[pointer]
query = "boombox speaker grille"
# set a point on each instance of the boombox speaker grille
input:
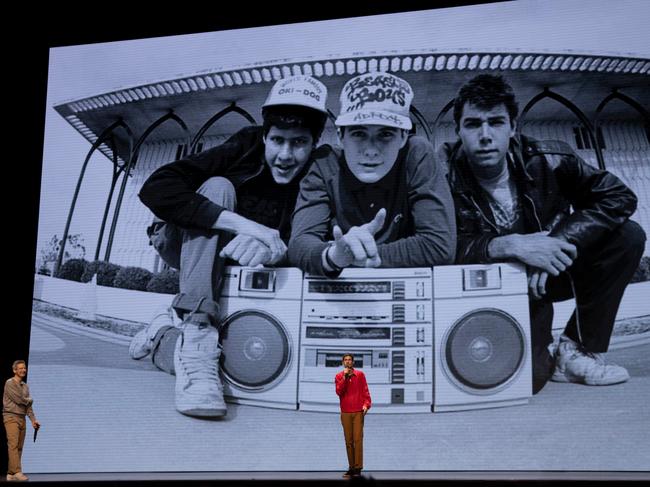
(256, 349)
(484, 349)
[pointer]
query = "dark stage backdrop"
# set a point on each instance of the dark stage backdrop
(155, 436)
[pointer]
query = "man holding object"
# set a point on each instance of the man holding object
(352, 389)
(16, 404)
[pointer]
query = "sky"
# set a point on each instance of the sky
(587, 27)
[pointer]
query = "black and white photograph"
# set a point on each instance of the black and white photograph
(405, 245)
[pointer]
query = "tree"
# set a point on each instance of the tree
(74, 249)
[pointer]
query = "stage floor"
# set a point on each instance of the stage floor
(380, 477)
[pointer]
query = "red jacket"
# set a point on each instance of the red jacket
(353, 392)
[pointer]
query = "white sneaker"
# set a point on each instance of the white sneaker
(142, 343)
(199, 391)
(574, 364)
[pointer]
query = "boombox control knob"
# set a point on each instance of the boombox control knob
(254, 348)
(480, 349)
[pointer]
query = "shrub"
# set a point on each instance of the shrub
(72, 269)
(74, 249)
(165, 282)
(44, 270)
(105, 271)
(642, 272)
(132, 278)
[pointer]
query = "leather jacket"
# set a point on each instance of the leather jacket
(559, 193)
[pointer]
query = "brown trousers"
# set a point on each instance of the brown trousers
(353, 431)
(15, 427)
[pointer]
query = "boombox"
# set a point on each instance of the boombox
(260, 333)
(385, 319)
(442, 339)
(482, 337)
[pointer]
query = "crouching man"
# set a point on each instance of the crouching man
(232, 201)
(538, 203)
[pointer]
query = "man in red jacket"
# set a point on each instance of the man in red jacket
(352, 389)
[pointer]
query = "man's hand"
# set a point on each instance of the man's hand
(537, 283)
(239, 225)
(357, 247)
(269, 237)
(365, 410)
(36, 424)
(549, 254)
(247, 250)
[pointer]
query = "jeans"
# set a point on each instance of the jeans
(195, 252)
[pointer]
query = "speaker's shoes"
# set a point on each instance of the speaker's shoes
(199, 391)
(19, 476)
(574, 364)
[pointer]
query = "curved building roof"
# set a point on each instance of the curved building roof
(578, 58)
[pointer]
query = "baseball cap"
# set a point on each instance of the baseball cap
(376, 99)
(300, 90)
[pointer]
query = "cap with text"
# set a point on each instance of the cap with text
(300, 90)
(376, 99)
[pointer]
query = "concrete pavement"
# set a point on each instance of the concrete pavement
(103, 412)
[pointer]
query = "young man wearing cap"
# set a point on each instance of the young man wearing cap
(537, 203)
(232, 201)
(381, 201)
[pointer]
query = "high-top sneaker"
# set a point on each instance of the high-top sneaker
(144, 341)
(574, 364)
(199, 391)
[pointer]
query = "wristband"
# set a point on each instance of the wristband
(329, 260)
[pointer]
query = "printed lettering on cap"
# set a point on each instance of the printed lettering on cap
(365, 117)
(383, 89)
(377, 99)
(298, 90)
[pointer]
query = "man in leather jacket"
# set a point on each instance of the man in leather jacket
(537, 203)
(233, 201)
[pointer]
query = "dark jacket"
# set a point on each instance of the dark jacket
(419, 229)
(170, 192)
(559, 193)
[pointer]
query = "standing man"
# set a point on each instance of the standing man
(232, 201)
(352, 389)
(16, 404)
(536, 202)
